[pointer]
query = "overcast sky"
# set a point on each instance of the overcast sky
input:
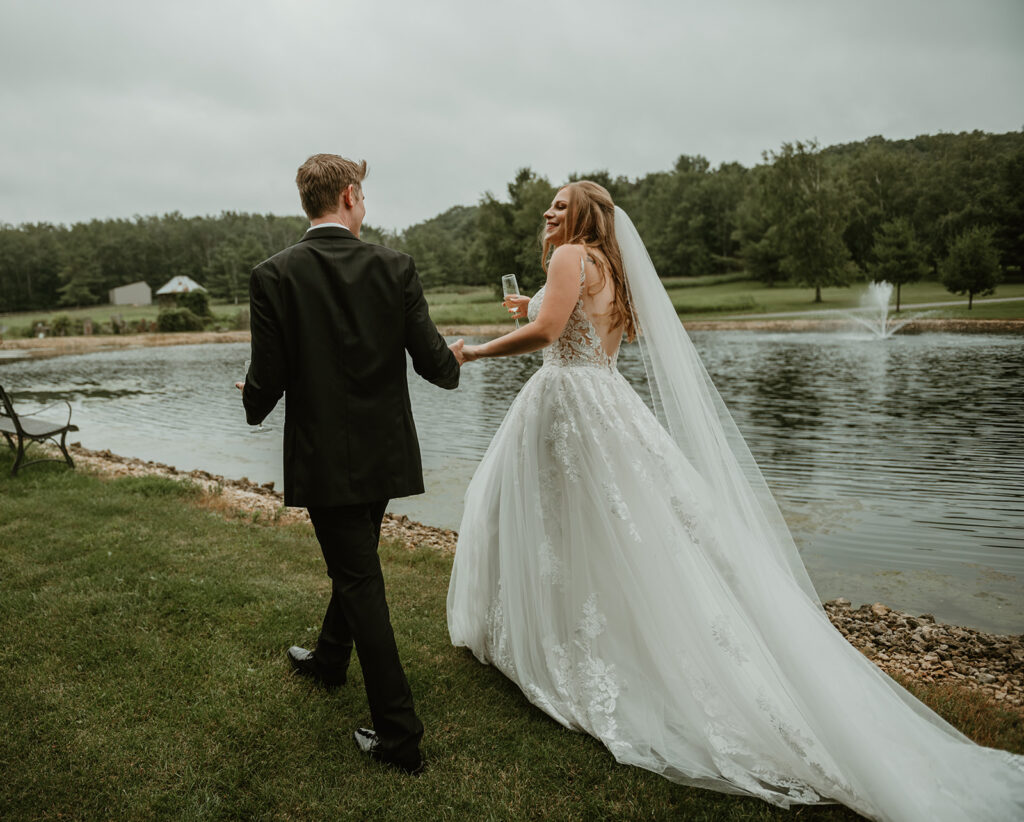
(112, 109)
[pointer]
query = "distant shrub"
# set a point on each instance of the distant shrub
(178, 319)
(197, 302)
(64, 325)
(241, 321)
(67, 326)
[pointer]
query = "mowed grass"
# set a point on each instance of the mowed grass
(704, 298)
(721, 296)
(142, 676)
(752, 297)
(466, 306)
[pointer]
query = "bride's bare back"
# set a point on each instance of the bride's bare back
(598, 297)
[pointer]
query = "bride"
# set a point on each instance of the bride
(637, 581)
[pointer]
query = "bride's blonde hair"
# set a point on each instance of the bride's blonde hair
(590, 221)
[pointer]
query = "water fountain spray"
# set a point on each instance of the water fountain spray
(876, 305)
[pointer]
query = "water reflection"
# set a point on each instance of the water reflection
(886, 457)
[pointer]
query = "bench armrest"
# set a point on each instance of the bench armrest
(47, 408)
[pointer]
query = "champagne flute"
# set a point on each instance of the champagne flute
(509, 285)
(245, 376)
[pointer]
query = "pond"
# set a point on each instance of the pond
(898, 463)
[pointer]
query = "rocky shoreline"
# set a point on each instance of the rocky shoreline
(920, 648)
(901, 644)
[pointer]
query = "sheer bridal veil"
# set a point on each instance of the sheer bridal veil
(689, 406)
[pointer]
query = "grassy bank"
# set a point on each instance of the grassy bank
(143, 676)
(750, 297)
(709, 298)
(700, 298)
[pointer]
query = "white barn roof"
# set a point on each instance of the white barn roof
(179, 285)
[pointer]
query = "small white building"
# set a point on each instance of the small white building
(179, 285)
(132, 294)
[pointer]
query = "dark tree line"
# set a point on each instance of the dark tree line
(814, 217)
(45, 266)
(892, 209)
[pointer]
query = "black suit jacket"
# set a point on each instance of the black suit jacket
(332, 318)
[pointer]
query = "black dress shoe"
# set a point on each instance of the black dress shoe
(305, 663)
(369, 743)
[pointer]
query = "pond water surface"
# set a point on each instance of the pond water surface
(899, 464)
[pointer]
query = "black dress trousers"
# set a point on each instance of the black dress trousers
(358, 614)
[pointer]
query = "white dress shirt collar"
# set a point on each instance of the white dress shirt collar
(330, 225)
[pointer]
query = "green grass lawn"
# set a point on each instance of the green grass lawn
(695, 298)
(724, 295)
(142, 674)
(472, 306)
(752, 297)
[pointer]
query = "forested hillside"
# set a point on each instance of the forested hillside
(809, 216)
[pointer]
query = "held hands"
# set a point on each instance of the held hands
(517, 306)
(464, 353)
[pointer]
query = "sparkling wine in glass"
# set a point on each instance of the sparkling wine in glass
(245, 376)
(509, 285)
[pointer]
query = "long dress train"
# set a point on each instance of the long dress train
(591, 570)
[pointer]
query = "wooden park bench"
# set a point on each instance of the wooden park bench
(27, 428)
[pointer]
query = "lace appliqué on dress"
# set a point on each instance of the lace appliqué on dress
(557, 439)
(497, 636)
(551, 568)
(584, 680)
(727, 640)
(619, 509)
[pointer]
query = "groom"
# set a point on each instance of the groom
(332, 318)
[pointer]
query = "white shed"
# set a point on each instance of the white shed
(179, 285)
(132, 294)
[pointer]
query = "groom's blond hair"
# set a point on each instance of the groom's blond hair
(322, 178)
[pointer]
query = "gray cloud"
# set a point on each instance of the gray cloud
(117, 108)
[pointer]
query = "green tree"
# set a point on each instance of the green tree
(509, 234)
(898, 255)
(880, 180)
(443, 247)
(80, 272)
(1010, 231)
(972, 266)
(227, 273)
(496, 246)
(809, 207)
(756, 234)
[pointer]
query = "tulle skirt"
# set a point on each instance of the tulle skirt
(596, 570)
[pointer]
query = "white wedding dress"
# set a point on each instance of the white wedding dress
(629, 598)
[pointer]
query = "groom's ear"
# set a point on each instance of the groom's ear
(348, 196)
